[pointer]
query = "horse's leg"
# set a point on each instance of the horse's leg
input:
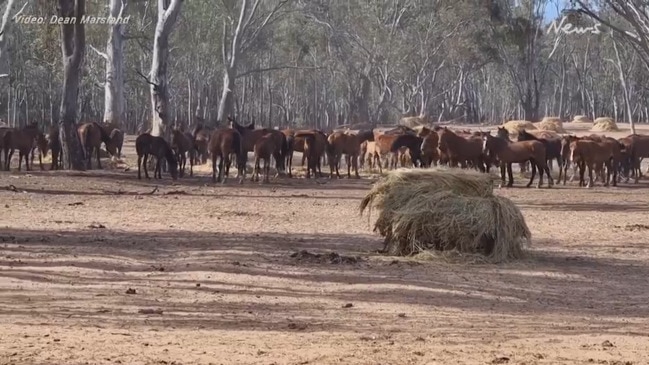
(20, 159)
(608, 173)
(27, 162)
(40, 160)
(139, 163)
(510, 175)
(533, 168)
(214, 168)
(146, 162)
(503, 167)
(98, 159)
(267, 170)
(615, 166)
(550, 179)
(590, 175)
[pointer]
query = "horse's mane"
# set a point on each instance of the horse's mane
(105, 137)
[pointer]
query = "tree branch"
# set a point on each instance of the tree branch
(274, 68)
(101, 54)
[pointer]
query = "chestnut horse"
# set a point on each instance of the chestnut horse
(250, 136)
(117, 141)
(318, 149)
(509, 152)
(462, 150)
(145, 145)
(55, 146)
(341, 143)
(264, 149)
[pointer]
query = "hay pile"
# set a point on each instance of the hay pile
(514, 126)
(446, 210)
(604, 124)
(581, 119)
(553, 124)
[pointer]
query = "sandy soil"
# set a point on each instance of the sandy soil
(97, 269)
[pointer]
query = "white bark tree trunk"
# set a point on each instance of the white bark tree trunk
(168, 11)
(114, 56)
(73, 44)
(4, 28)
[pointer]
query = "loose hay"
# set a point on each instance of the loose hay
(514, 126)
(581, 119)
(604, 124)
(446, 210)
(553, 124)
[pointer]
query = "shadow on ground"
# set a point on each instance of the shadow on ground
(545, 283)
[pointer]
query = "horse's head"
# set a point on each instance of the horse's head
(502, 132)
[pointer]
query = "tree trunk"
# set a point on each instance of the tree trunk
(226, 104)
(167, 15)
(114, 83)
(73, 44)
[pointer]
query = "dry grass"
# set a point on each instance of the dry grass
(514, 126)
(553, 124)
(446, 210)
(604, 124)
(413, 122)
(581, 119)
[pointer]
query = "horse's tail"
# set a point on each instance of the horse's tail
(237, 147)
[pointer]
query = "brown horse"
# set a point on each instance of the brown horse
(5, 145)
(182, 144)
(509, 152)
(117, 141)
(42, 145)
(317, 150)
(462, 150)
(312, 153)
(55, 147)
(637, 148)
(145, 145)
(384, 141)
(341, 143)
(250, 136)
(201, 137)
(586, 153)
(264, 149)
(372, 156)
(223, 143)
(429, 151)
(23, 140)
(91, 136)
(552, 145)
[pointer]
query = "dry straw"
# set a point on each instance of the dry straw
(446, 210)
(553, 124)
(581, 119)
(514, 126)
(604, 124)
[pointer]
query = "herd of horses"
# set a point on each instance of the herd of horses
(606, 159)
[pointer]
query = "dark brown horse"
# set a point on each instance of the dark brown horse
(201, 137)
(182, 144)
(42, 145)
(23, 140)
(552, 145)
(91, 136)
(55, 146)
(223, 143)
(509, 152)
(147, 145)
(117, 141)
(5, 146)
(413, 144)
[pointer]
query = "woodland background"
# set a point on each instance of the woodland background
(324, 63)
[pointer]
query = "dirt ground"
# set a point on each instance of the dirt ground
(100, 268)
